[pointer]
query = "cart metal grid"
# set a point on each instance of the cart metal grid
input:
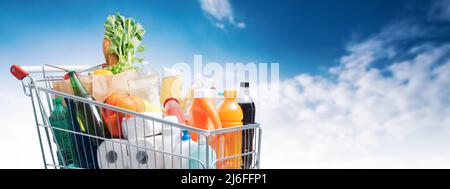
(162, 150)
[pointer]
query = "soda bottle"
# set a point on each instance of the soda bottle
(247, 105)
(231, 116)
(67, 152)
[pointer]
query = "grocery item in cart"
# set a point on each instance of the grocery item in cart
(113, 154)
(134, 128)
(102, 72)
(203, 114)
(105, 85)
(146, 87)
(231, 116)
(66, 87)
(172, 85)
(192, 153)
(123, 37)
(113, 119)
(200, 82)
(100, 86)
(170, 139)
(86, 152)
(67, 151)
(89, 114)
(172, 107)
(164, 136)
(144, 155)
(247, 105)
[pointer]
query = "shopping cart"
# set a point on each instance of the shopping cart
(160, 145)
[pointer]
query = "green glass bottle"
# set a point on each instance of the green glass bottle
(88, 114)
(64, 140)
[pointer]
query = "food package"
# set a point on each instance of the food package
(172, 85)
(146, 87)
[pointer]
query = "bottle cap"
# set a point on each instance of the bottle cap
(169, 99)
(57, 100)
(229, 93)
(245, 84)
(202, 93)
(186, 135)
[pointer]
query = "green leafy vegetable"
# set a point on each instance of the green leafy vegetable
(126, 37)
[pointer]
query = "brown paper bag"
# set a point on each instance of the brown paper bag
(100, 86)
(65, 86)
(104, 85)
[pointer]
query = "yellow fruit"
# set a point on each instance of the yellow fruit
(102, 72)
(149, 107)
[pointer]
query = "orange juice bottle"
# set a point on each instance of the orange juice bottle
(203, 115)
(231, 116)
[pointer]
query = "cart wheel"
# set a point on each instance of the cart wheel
(18, 72)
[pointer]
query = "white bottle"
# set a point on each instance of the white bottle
(183, 150)
(192, 153)
(202, 152)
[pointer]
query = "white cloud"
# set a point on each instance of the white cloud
(365, 116)
(221, 13)
(440, 10)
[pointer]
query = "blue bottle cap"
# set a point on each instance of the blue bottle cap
(186, 135)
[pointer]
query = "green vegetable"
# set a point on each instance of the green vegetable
(126, 37)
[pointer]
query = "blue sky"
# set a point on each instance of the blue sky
(303, 36)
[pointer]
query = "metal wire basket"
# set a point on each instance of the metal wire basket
(146, 142)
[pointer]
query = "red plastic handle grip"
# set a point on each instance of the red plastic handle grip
(18, 72)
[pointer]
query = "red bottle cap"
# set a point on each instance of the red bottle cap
(168, 99)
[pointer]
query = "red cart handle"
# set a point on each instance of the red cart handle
(18, 72)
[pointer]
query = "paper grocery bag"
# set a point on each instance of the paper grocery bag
(100, 86)
(104, 85)
(65, 86)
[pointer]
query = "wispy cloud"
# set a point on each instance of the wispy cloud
(220, 12)
(363, 115)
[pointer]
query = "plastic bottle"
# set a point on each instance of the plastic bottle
(67, 152)
(172, 107)
(247, 105)
(195, 151)
(203, 114)
(231, 116)
(202, 151)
